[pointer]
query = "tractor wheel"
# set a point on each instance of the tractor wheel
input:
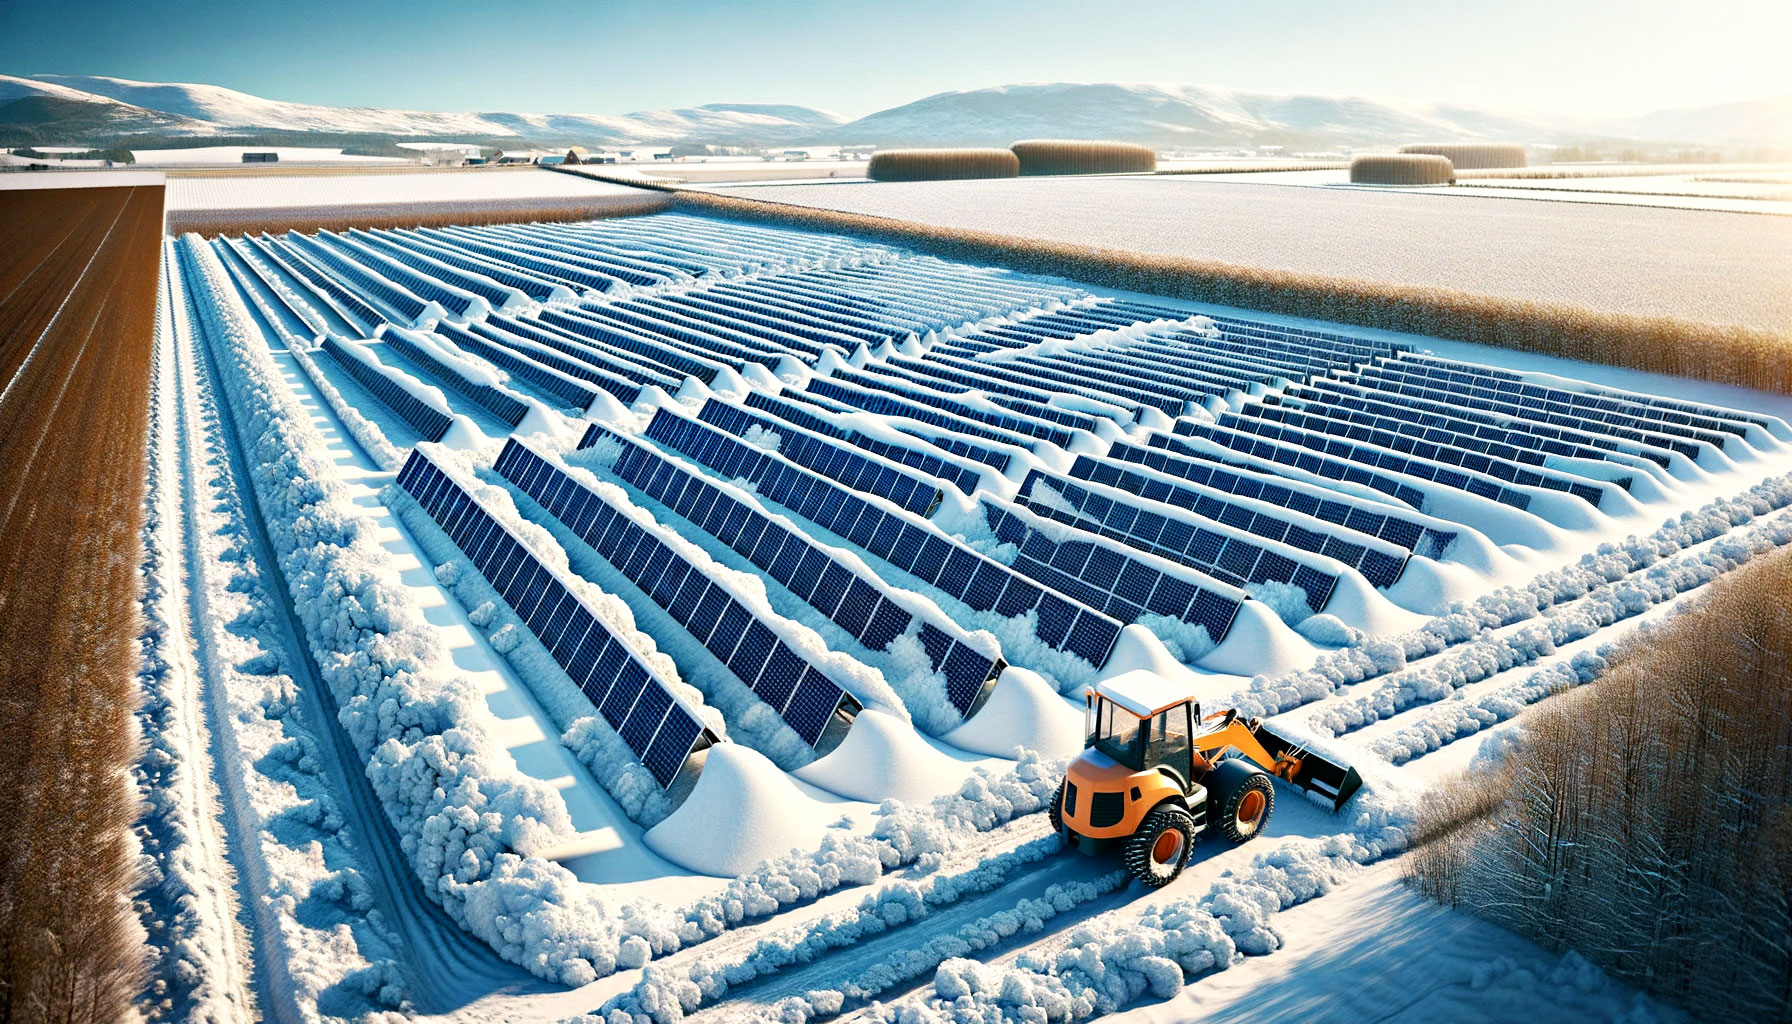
(1055, 811)
(1240, 799)
(1157, 851)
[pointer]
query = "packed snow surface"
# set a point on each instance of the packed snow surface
(280, 191)
(743, 810)
(1704, 265)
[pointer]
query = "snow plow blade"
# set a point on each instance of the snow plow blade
(1313, 773)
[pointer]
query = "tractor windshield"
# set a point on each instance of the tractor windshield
(1117, 733)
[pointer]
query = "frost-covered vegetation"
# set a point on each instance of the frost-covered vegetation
(1645, 821)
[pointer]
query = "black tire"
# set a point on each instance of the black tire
(1055, 811)
(1240, 799)
(1156, 853)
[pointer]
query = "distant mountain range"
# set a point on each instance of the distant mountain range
(1191, 116)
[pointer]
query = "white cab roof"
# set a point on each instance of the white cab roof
(1142, 692)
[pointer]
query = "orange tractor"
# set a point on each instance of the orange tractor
(1156, 775)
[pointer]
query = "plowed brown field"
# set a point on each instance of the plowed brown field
(77, 320)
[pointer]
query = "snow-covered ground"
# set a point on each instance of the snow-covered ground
(301, 190)
(1691, 264)
(486, 836)
(232, 156)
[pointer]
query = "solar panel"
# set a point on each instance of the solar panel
(429, 423)
(834, 508)
(831, 586)
(628, 693)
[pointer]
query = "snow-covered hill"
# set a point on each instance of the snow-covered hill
(216, 110)
(1162, 114)
(1171, 114)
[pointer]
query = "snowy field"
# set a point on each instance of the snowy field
(232, 156)
(277, 191)
(1693, 264)
(661, 617)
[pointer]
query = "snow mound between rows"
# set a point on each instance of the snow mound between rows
(1023, 711)
(741, 811)
(883, 758)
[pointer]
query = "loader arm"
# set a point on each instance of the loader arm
(1277, 755)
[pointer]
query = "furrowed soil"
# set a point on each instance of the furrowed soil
(78, 273)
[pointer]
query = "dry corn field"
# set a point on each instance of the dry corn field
(77, 312)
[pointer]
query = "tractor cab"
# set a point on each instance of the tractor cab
(1137, 736)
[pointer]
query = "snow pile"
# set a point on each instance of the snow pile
(270, 773)
(1022, 711)
(1622, 576)
(464, 815)
(666, 995)
(1116, 959)
(742, 811)
(883, 758)
(1454, 719)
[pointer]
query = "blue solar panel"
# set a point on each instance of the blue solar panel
(788, 557)
(635, 701)
(859, 521)
(430, 423)
(759, 658)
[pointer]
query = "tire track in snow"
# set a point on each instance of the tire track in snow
(447, 965)
(212, 890)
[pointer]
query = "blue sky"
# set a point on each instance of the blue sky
(1568, 56)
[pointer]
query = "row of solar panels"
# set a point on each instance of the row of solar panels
(838, 588)
(657, 725)
(429, 422)
(777, 673)
(907, 542)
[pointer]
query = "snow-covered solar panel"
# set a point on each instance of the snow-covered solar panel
(347, 304)
(1301, 525)
(1593, 396)
(1225, 551)
(1119, 584)
(870, 474)
(429, 423)
(625, 365)
(506, 407)
(1283, 444)
(909, 543)
(376, 289)
(1469, 461)
(672, 358)
(1372, 518)
(495, 347)
(776, 673)
(890, 398)
(963, 476)
(839, 589)
(657, 726)
(1594, 428)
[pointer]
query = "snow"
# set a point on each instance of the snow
(1023, 711)
(526, 817)
(1141, 691)
(884, 758)
(293, 191)
(742, 811)
(456, 798)
(1377, 951)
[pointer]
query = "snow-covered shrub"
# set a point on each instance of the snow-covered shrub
(464, 814)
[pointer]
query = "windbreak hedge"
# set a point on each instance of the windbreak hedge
(941, 164)
(1469, 156)
(1401, 169)
(1072, 156)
